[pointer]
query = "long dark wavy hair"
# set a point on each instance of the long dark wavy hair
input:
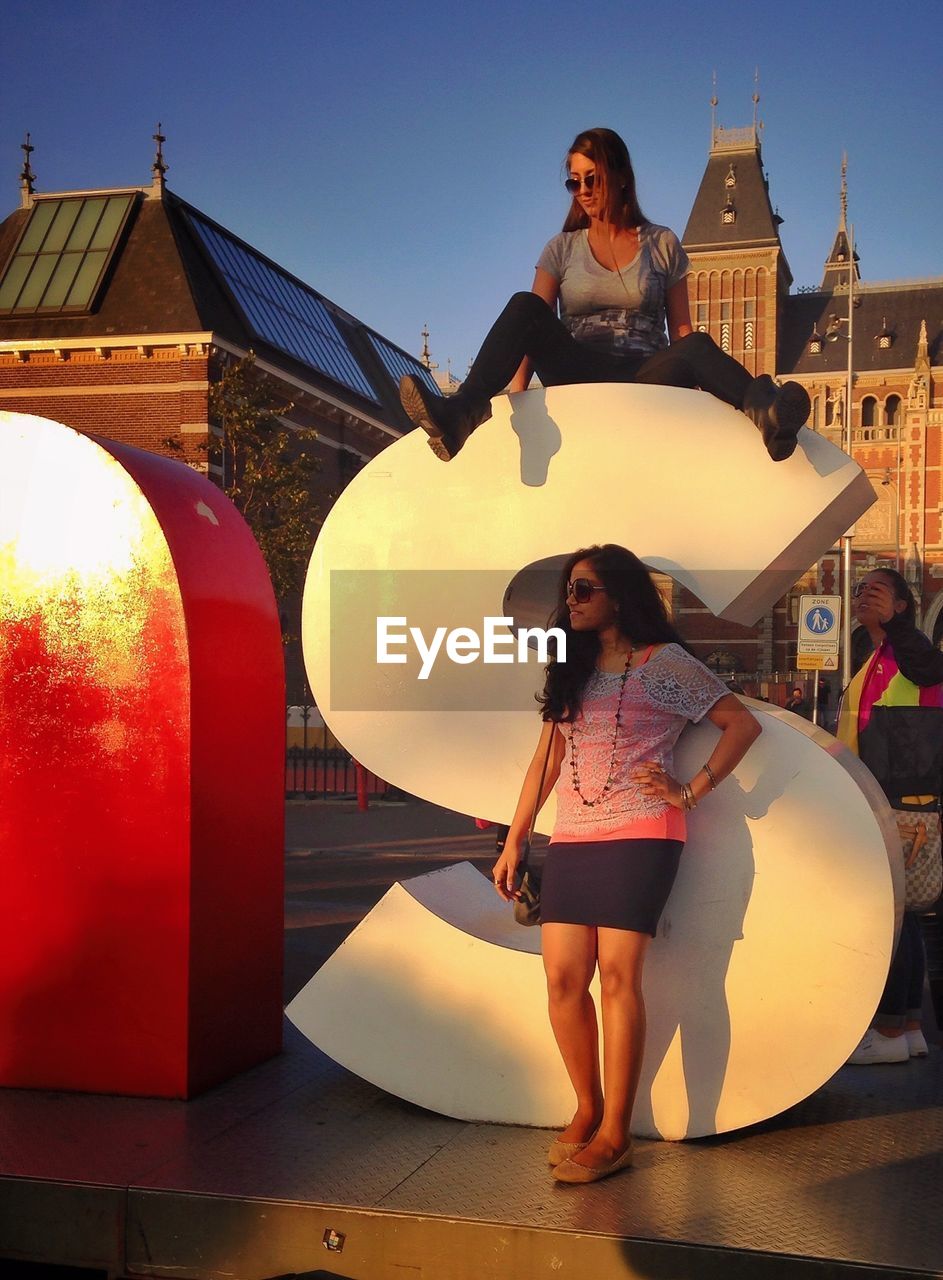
(615, 179)
(643, 619)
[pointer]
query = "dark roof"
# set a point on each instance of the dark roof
(163, 280)
(898, 308)
(836, 264)
(148, 290)
(755, 223)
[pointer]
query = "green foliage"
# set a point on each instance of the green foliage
(267, 469)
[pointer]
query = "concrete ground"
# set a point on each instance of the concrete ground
(339, 863)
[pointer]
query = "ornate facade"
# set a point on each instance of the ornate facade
(741, 293)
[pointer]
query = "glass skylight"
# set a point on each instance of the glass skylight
(397, 363)
(282, 311)
(63, 254)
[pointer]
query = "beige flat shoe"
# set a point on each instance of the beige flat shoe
(570, 1171)
(560, 1151)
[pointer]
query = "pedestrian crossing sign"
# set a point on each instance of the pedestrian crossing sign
(819, 633)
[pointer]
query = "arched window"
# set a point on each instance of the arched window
(868, 406)
(892, 411)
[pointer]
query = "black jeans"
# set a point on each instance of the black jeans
(528, 327)
(903, 992)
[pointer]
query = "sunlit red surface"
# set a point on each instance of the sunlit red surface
(140, 772)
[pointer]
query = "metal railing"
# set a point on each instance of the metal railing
(315, 772)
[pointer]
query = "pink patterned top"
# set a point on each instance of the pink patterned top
(660, 698)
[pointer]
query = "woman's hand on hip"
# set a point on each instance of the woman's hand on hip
(655, 782)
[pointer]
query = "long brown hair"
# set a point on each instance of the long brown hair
(643, 619)
(615, 178)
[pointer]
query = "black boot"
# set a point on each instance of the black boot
(447, 420)
(778, 413)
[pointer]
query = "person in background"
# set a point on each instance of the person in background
(892, 717)
(823, 700)
(797, 703)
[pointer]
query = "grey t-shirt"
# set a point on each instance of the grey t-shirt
(624, 316)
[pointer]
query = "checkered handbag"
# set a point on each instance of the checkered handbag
(923, 858)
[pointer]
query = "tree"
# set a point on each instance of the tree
(266, 469)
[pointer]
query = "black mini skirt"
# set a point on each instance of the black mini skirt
(610, 884)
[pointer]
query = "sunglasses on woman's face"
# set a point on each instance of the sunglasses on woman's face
(861, 587)
(581, 589)
(573, 184)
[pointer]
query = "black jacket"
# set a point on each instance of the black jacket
(903, 746)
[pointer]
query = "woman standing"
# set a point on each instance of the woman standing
(619, 280)
(612, 714)
(892, 717)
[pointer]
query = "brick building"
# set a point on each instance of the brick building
(741, 293)
(119, 308)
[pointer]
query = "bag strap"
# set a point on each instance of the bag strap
(540, 787)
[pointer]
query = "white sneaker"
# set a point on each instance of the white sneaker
(916, 1043)
(877, 1048)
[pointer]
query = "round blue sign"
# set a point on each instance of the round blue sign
(819, 620)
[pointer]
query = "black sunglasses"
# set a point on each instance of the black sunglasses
(581, 589)
(573, 184)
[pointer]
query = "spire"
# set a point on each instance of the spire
(425, 357)
(918, 394)
(159, 167)
(923, 350)
(27, 177)
(746, 139)
(839, 260)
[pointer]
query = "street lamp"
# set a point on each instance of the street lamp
(833, 332)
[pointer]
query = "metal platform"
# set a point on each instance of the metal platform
(250, 1179)
(245, 1181)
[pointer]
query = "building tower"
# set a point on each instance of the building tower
(739, 274)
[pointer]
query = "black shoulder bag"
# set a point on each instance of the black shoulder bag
(527, 906)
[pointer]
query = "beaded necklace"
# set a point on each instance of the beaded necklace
(574, 749)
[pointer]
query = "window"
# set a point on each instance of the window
(63, 254)
(892, 411)
(868, 406)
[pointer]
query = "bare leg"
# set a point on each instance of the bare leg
(621, 954)
(569, 954)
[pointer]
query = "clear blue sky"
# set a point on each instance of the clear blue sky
(405, 158)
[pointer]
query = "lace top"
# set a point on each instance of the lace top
(659, 700)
